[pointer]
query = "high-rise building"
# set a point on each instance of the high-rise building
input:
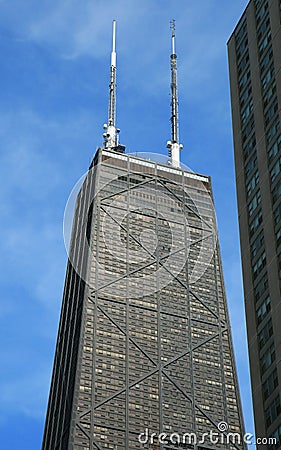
(144, 356)
(255, 80)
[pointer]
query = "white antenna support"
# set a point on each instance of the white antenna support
(111, 132)
(173, 145)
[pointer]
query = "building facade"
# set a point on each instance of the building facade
(255, 78)
(144, 344)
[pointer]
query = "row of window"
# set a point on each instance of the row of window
(265, 334)
(273, 411)
(267, 359)
(261, 9)
(263, 310)
(276, 435)
(259, 265)
(270, 384)
(257, 244)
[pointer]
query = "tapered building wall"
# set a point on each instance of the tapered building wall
(144, 343)
(255, 79)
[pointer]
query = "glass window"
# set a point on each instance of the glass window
(259, 265)
(271, 111)
(267, 77)
(273, 411)
(243, 63)
(242, 47)
(272, 130)
(244, 79)
(278, 237)
(267, 359)
(248, 129)
(252, 183)
(257, 244)
(275, 435)
(254, 203)
(275, 148)
(255, 223)
(245, 95)
(239, 34)
(263, 27)
(266, 60)
(270, 384)
(265, 334)
(249, 146)
(277, 214)
(263, 310)
(275, 170)
(261, 286)
(269, 94)
(265, 42)
(247, 111)
(261, 9)
(276, 192)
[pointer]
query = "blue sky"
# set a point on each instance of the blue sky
(54, 91)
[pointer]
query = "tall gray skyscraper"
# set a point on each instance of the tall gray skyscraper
(255, 78)
(144, 356)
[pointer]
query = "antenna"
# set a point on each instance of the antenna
(111, 132)
(173, 145)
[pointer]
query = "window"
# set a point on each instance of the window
(259, 265)
(269, 94)
(239, 34)
(261, 10)
(272, 130)
(243, 63)
(266, 60)
(254, 203)
(247, 111)
(275, 170)
(278, 237)
(263, 310)
(270, 384)
(252, 183)
(247, 130)
(275, 148)
(277, 214)
(255, 223)
(257, 244)
(244, 79)
(275, 435)
(267, 359)
(261, 287)
(273, 411)
(245, 95)
(241, 47)
(250, 166)
(276, 191)
(265, 41)
(267, 77)
(248, 147)
(265, 334)
(271, 111)
(263, 27)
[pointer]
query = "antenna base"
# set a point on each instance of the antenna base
(174, 153)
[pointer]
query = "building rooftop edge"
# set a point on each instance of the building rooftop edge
(165, 167)
(239, 21)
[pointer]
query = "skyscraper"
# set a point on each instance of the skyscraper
(255, 79)
(144, 356)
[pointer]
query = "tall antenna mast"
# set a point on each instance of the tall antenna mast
(174, 146)
(111, 132)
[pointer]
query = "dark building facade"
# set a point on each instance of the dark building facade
(144, 343)
(255, 78)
